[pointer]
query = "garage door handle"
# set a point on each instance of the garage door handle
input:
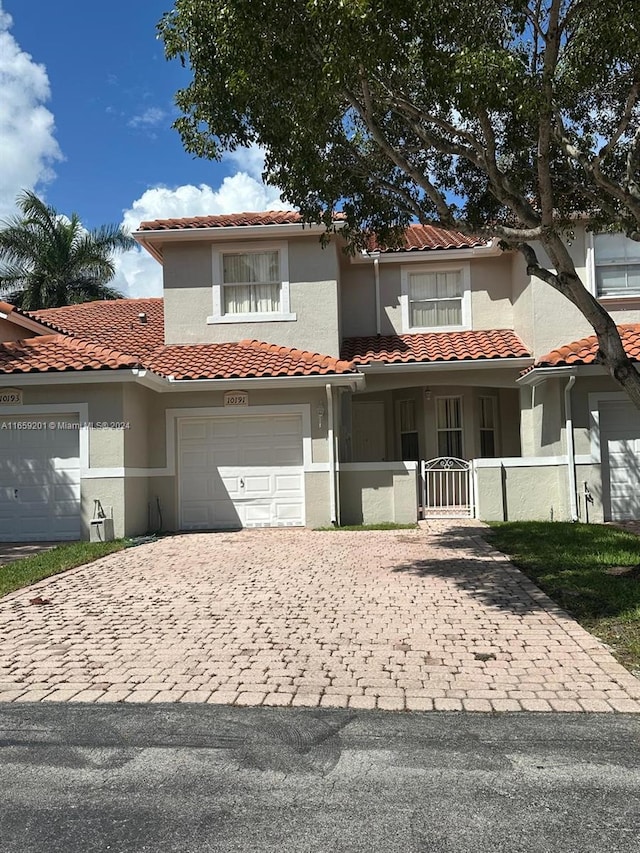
(15, 494)
(241, 483)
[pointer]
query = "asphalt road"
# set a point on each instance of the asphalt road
(194, 778)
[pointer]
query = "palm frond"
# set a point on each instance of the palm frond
(49, 260)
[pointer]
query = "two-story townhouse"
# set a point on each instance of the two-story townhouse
(280, 382)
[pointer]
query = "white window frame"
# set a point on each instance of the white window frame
(494, 429)
(398, 414)
(219, 315)
(592, 278)
(461, 267)
(459, 429)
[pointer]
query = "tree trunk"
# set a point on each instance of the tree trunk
(611, 352)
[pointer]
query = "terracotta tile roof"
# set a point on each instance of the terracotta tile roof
(58, 352)
(434, 346)
(246, 359)
(226, 220)
(109, 334)
(115, 323)
(417, 237)
(420, 238)
(585, 350)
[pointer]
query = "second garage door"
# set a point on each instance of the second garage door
(620, 440)
(244, 471)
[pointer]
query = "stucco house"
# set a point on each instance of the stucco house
(279, 383)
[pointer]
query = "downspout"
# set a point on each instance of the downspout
(376, 274)
(333, 509)
(571, 454)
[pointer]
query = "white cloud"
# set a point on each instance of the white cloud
(151, 117)
(29, 148)
(249, 160)
(138, 273)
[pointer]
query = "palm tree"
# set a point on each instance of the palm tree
(48, 260)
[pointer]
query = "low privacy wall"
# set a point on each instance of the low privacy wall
(536, 489)
(521, 490)
(374, 492)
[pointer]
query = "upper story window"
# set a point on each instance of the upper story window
(250, 283)
(617, 265)
(436, 298)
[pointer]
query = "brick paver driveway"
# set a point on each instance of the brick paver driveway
(398, 619)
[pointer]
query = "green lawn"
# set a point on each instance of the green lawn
(591, 570)
(66, 556)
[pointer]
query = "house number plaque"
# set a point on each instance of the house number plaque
(236, 398)
(10, 397)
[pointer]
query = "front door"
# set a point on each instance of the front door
(369, 440)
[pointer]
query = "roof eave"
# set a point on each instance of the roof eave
(540, 374)
(355, 381)
(458, 253)
(517, 363)
(16, 316)
(152, 240)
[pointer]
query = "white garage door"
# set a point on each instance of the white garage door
(620, 440)
(39, 479)
(241, 471)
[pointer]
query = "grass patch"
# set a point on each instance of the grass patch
(28, 570)
(383, 525)
(591, 570)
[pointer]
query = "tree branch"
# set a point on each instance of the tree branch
(623, 124)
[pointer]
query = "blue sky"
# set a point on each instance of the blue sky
(86, 106)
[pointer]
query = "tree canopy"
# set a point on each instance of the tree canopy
(508, 119)
(48, 260)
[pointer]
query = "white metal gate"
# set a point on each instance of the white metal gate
(447, 488)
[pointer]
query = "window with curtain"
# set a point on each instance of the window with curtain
(408, 428)
(449, 426)
(487, 426)
(617, 262)
(251, 282)
(435, 299)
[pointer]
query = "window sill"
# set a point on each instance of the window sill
(251, 318)
(419, 330)
(631, 301)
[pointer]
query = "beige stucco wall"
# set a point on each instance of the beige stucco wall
(372, 496)
(546, 319)
(523, 493)
(491, 294)
(12, 332)
(542, 418)
(314, 298)
(110, 491)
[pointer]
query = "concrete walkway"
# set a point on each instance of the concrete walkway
(417, 620)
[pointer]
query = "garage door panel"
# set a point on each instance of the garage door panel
(252, 460)
(258, 485)
(289, 513)
(288, 483)
(224, 428)
(256, 427)
(287, 456)
(620, 440)
(225, 456)
(66, 492)
(39, 480)
(194, 430)
(228, 485)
